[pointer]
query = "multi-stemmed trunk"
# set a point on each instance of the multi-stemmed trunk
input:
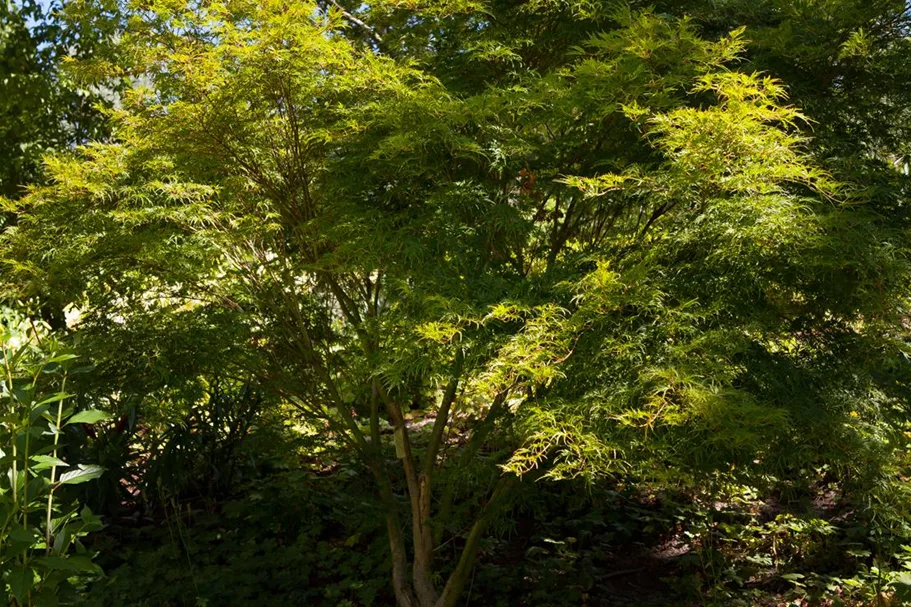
(413, 571)
(418, 588)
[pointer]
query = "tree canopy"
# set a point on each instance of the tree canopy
(502, 240)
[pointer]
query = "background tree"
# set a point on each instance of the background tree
(44, 108)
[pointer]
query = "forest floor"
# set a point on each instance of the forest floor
(284, 541)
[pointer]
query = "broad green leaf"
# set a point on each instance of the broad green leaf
(74, 562)
(90, 416)
(47, 461)
(39, 411)
(61, 358)
(54, 398)
(21, 579)
(62, 541)
(21, 534)
(80, 475)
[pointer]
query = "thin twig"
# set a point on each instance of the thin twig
(357, 22)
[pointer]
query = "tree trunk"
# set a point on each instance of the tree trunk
(418, 486)
(414, 595)
(455, 585)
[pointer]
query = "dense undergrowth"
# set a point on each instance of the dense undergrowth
(287, 529)
(600, 549)
(223, 499)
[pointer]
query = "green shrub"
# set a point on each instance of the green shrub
(41, 553)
